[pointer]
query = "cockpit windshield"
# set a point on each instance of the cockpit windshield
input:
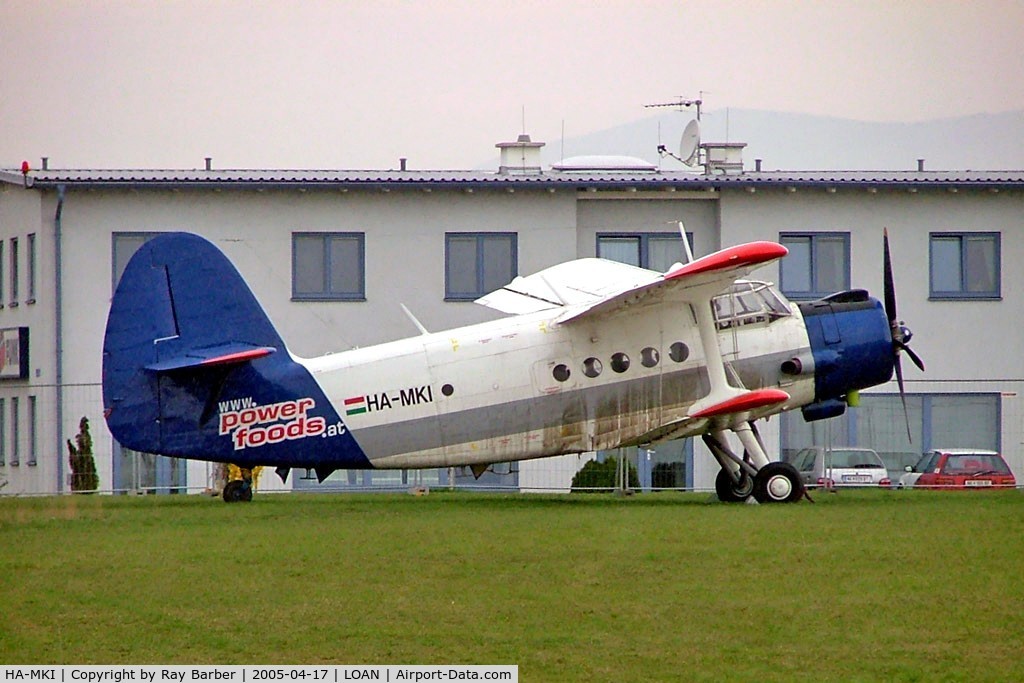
(748, 302)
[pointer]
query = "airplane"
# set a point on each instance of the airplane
(594, 355)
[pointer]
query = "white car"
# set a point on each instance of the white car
(925, 464)
(840, 466)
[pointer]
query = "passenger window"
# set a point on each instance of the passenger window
(620, 362)
(561, 372)
(592, 367)
(649, 357)
(678, 352)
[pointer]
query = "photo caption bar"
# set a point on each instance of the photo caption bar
(256, 674)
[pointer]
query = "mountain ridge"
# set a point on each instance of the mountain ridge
(788, 141)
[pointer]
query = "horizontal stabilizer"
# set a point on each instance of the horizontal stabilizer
(222, 354)
(742, 402)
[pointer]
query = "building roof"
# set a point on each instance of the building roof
(550, 179)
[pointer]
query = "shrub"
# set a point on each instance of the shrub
(83, 466)
(601, 475)
(668, 475)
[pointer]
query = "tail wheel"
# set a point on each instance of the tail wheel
(778, 482)
(236, 491)
(729, 491)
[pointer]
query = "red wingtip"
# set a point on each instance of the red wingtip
(745, 402)
(750, 254)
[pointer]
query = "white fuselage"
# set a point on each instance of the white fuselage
(517, 388)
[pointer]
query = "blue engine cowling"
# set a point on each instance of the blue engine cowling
(852, 347)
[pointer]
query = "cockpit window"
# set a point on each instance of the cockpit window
(748, 302)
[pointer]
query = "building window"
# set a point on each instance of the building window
(476, 263)
(124, 245)
(14, 271)
(964, 265)
(31, 269)
(32, 434)
(818, 264)
(328, 266)
(15, 457)
(652, 250)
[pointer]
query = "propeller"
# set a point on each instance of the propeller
(901, 334)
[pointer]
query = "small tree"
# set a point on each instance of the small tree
(83, 466)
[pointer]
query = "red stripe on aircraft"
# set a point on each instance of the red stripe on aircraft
(239, 357)
(749, 254)
(745, 402)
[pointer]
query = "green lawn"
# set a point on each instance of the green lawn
(867, 585)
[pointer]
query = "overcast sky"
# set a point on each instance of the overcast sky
(358, 84)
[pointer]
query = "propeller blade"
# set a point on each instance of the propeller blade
(913, 356)
(903, 396)
(887, 283)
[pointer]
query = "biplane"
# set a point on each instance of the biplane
(593, 355)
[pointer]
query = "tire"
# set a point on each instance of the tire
(234, 491)
(778, 482)
(728, 492)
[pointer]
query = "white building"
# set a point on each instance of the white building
(332, 254)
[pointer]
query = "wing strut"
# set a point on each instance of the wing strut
(724, 400)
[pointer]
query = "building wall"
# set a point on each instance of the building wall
(647, 212)
(42, 459)
(404, 234)
(968, 345)
(946, 333)
(959, 340)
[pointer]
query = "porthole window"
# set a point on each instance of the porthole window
(561, 372)
(649, 357)
(447, 390)
(679, 352)
(620, 362)
(592, 367)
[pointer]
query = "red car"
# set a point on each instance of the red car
(963, 468)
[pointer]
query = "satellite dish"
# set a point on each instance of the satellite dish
(689, 143)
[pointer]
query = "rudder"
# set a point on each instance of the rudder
(185, 337)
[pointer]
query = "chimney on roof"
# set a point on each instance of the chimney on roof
(401, 163)
(723, 157)
(45, 166)
(920, 165)
(520, 157)
(209, 163)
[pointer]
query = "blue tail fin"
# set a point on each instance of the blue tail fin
(192, 367)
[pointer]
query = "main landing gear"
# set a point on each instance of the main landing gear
(752, 475)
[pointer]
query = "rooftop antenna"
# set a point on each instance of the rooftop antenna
(689, 143)
(681, 103)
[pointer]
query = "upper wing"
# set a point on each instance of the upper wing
(699, 279)
(573, 283)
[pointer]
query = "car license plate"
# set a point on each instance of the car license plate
(856, 478)
(978, 482)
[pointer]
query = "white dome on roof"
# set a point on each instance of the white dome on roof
(604, 162)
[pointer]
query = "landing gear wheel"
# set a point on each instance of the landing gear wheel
(729, 491)
(237, 491)
(778, 482)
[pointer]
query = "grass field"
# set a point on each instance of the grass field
(866, 585)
